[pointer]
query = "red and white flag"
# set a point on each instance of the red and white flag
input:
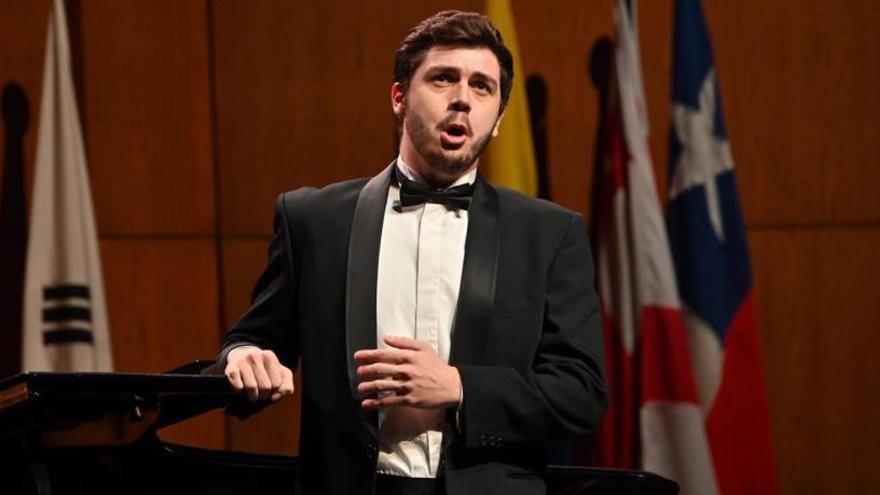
(654, 421)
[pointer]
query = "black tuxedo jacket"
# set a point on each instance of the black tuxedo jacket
(526, 337)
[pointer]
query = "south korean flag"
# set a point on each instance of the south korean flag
(65, 318)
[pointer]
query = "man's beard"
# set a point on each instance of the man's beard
(446, 166)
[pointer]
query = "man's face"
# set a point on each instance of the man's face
(449, 111)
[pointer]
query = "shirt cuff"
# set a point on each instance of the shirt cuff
(222, 360)
(458, 409)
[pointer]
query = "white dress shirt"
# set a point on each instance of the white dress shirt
(420, 262)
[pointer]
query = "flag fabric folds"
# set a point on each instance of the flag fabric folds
(64, 322)
(654, 421)
(708, 243)
(509, 159)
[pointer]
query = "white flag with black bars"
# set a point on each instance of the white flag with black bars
(65, 318)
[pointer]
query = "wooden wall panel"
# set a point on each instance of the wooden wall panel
(819, 318)
(147, 116)
(799, 81)
(276, 428)
(22, 50)
(163, 311)
(163, 302)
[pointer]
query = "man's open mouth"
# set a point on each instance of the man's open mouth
(456, 130)
(453, 136)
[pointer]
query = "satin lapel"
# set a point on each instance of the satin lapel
(363, 263)
(476, 297)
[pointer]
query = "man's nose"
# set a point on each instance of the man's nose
(461, 99)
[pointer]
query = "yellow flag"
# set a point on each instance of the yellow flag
(510, 158)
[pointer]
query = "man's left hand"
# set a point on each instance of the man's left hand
(410, 373)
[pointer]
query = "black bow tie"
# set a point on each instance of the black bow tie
(413, 193)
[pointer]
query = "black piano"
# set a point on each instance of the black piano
(96, 434)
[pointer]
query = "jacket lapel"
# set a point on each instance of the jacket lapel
(477, 294)
(363, 263)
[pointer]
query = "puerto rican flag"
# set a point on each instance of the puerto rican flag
(708, 243)
(654, 421)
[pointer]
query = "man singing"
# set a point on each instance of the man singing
(446, 328)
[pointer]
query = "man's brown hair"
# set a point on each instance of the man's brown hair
(452, 28)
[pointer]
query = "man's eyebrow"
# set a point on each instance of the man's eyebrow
(486, 78)
(451, 68)
(443, 68)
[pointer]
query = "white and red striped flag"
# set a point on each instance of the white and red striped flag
(654, 421)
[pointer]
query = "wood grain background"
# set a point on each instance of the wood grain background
(198, 113)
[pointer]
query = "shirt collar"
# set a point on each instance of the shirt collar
(411, 174)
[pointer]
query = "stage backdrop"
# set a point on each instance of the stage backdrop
(197, 114)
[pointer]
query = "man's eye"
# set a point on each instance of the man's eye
(481, 86)
(442, 78)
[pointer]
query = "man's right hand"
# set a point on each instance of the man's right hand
(258, 373)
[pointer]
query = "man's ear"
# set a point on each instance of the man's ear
(398, 99)
(498, 123)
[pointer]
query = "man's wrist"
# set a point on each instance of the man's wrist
(457, 393)
(223, 358)
(240, 348)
